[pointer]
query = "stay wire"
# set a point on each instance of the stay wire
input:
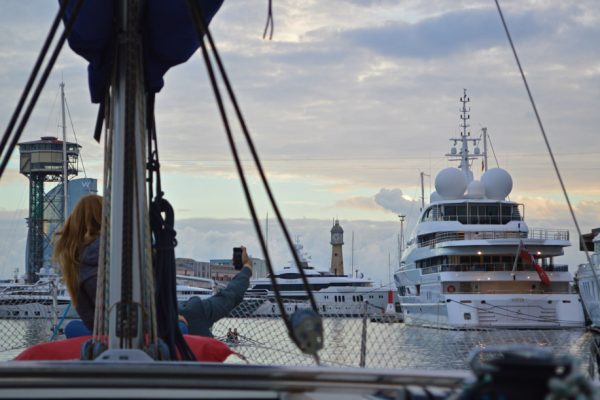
(270, 24)
(255, 156)
(32, 76)
(39, 87)
(493, 151)
(239, 168)
(547, 142)
(74, 135)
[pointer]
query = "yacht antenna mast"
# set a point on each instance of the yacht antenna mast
(352, 258)
(465, 137)
(464, 117)
(485, 150)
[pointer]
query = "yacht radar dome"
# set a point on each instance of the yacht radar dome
(497, 183)
(475, 190)
(435, 197)
(450, 183)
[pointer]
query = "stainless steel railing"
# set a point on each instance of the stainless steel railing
(491, 267)
(534, 233)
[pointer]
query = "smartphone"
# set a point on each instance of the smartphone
(237, 258)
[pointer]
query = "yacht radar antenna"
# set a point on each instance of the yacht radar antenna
(465, 137)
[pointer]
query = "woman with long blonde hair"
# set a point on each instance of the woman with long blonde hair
(76, 251)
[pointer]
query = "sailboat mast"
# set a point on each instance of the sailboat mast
(65, 177)
(125, 254)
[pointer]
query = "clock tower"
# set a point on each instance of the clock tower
(337, 241)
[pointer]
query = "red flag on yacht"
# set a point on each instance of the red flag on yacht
(526, 256)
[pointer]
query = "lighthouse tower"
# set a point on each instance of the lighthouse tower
(337, 241)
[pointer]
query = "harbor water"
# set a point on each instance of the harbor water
(385, 345)
(394, 345)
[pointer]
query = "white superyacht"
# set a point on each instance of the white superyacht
(472, 261)
(336, 294)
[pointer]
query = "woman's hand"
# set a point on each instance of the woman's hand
(246, 262)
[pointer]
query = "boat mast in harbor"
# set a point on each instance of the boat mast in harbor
(65, 177)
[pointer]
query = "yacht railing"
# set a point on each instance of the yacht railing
(477, 219)
(534, 233)
(490, 267)
(539, 290)
(548, 234)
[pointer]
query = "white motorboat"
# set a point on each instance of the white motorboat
(44, 299)
(586, 279)
(473, 262)
(48, 297)
(190, 286)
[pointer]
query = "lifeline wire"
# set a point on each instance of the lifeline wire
(40, 85)
(555, 165)
(255, 156)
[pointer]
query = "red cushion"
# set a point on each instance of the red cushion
(204, 348)
(208, 349)
(68, 349)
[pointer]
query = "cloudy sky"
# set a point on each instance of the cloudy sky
(347, 104)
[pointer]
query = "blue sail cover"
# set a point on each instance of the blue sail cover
(169, 38)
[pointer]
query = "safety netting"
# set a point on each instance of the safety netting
(256, 332)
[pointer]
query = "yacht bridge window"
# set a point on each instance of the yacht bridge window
(475, 213)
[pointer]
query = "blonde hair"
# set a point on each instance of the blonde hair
(79, 230)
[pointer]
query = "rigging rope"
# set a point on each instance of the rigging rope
(493, 151)
(7, 152)
(254, 154)
(164, 243)
(74, 135)
(51, 111)
(203, 31)
(547, 142)
(270, 23)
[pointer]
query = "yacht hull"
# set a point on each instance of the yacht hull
(514, 311)
(590, 295)
(31, 309)
(351, 303)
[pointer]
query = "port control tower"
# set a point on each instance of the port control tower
(41, 161)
